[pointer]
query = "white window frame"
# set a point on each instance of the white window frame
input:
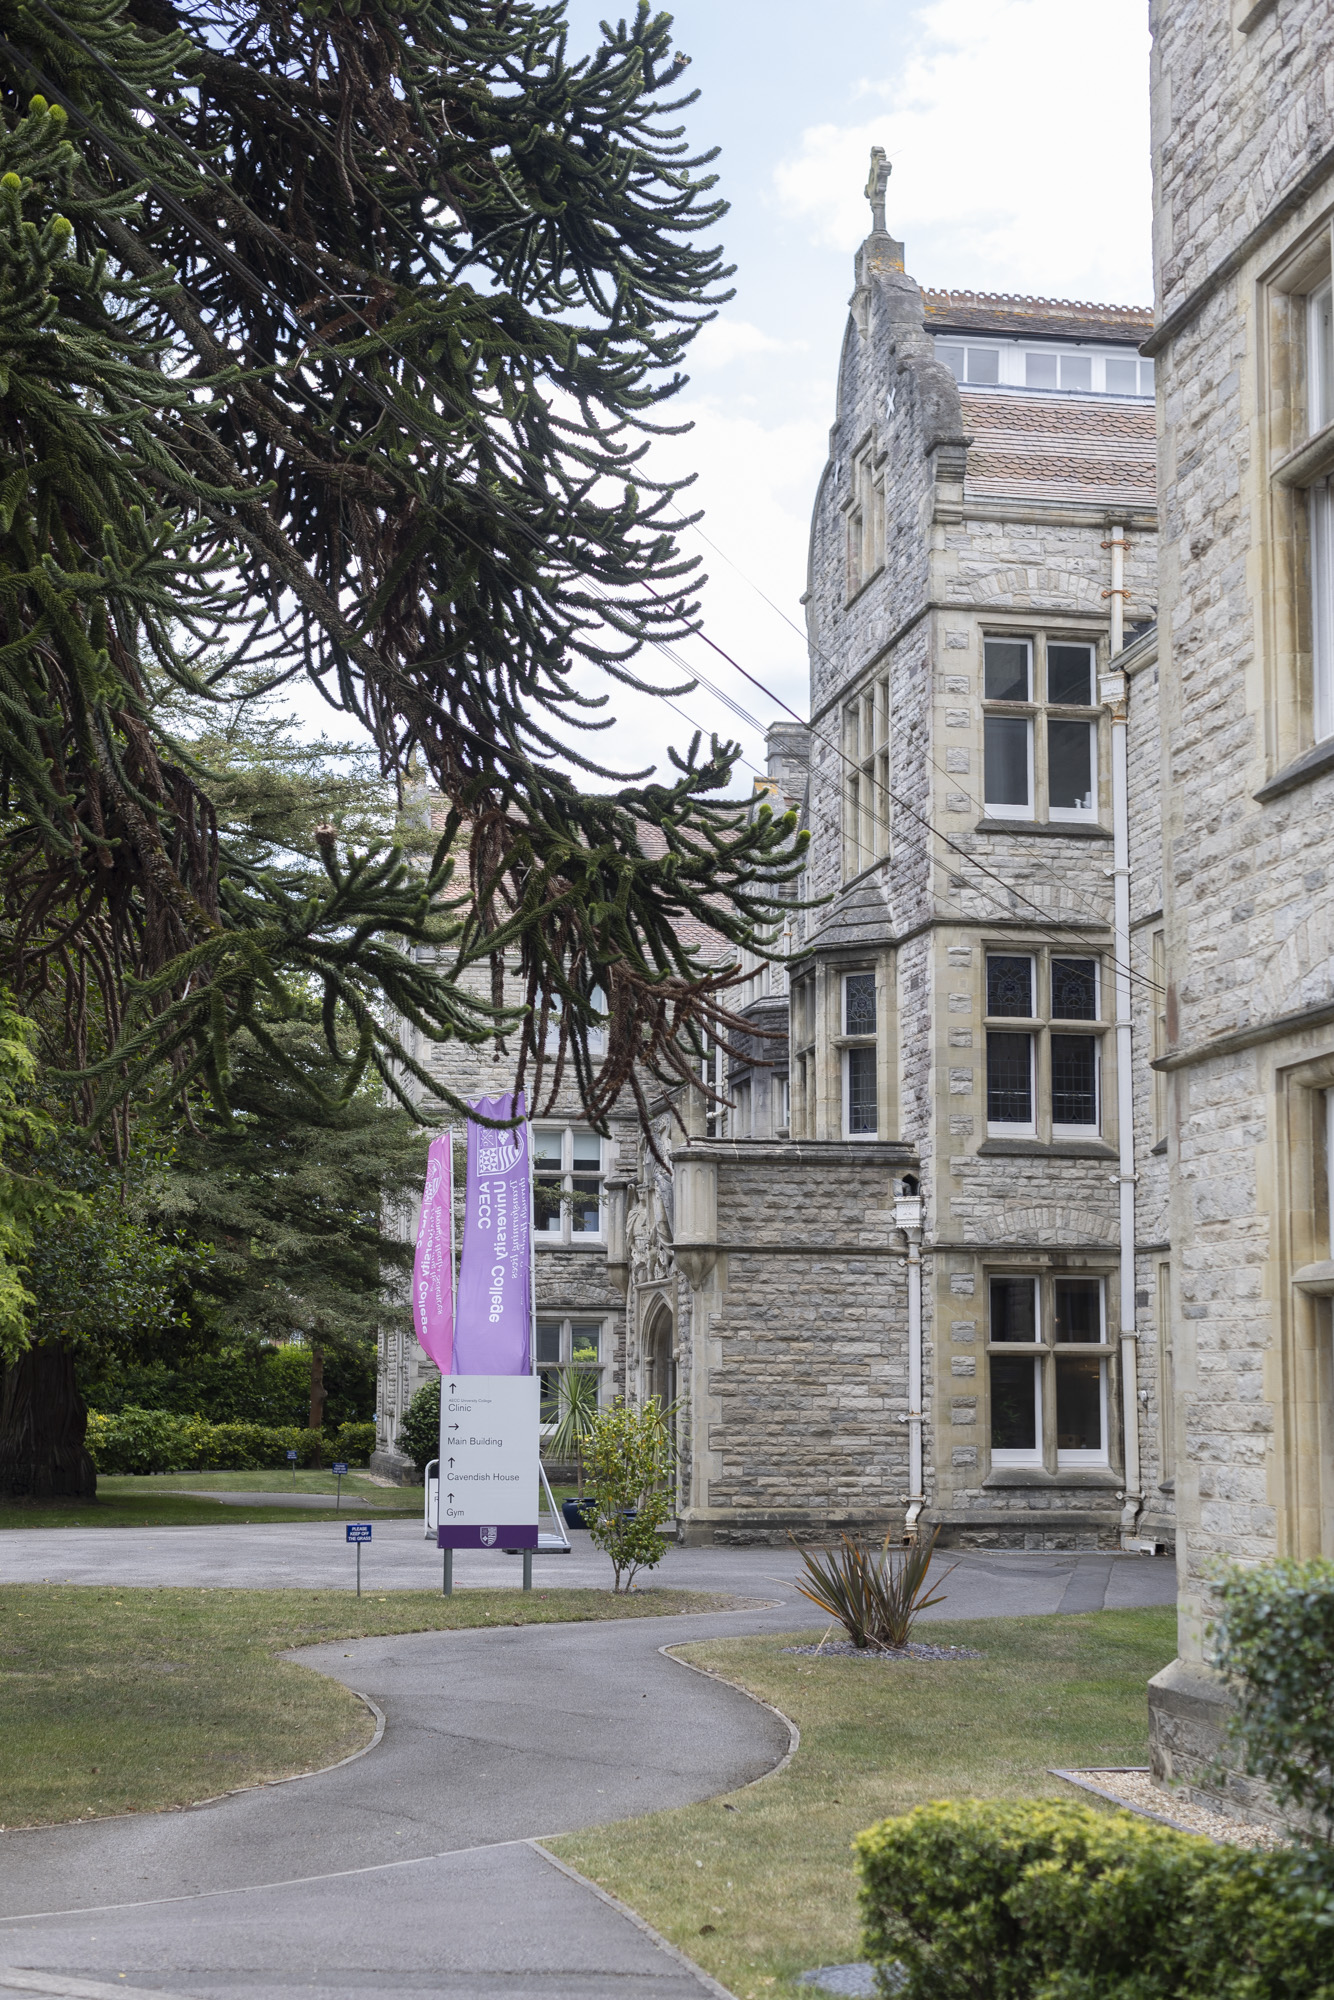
(568, 1238)
(1064, 813)
(846, 1065)
(1034, 1353)
(1018, 711)
(1086, 1030)
(567, 1321)
(1067, 1460)
(858, 1042)
(1012, 365)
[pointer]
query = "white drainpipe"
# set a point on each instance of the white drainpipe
(1115, 692)
(908, 1218)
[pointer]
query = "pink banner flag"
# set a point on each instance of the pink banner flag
(495, 1307)
(433, 1266)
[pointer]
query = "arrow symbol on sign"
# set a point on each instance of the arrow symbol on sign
(453, 1427)
(451, 1465)
(451, 1499)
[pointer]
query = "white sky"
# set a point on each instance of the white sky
(1018, 136)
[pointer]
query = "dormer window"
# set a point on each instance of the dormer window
(1075, 368)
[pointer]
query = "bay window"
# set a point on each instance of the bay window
(859, 1056)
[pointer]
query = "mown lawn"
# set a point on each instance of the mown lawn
(179, 1500)
(115, 1701)
(759, 1885)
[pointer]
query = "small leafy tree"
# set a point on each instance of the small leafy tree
(628, 1456)
(1274, 1640)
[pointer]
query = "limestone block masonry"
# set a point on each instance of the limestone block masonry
(1243, 151)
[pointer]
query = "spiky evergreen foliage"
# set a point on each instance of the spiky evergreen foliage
(429, 281)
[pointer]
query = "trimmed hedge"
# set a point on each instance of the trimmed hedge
(1274, 1639)
(161, 1441)
(1049, 1901)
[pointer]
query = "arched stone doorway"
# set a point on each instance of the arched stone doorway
(659, 1366)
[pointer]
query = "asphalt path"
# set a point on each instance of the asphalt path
(315, 1555)
(412, 1869)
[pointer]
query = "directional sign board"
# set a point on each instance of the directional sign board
(488, 1462)
(358, 1531)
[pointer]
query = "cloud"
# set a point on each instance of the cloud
(1018, 136)
(723, 341)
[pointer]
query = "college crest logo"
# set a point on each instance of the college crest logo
(488, 1538)
(500, 1153)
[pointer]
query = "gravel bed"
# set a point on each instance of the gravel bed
(1137, 1790)
(912, 1651)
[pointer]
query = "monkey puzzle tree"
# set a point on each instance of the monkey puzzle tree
(332, 340)
(423, 283)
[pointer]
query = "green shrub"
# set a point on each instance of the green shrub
(419, 1432)
(1045, 1900)
(628, 1460)
(161, 1441)
(245, 1382)
(1275, 1640)
(353, 1442)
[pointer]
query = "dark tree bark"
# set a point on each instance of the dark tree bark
(43, 1423)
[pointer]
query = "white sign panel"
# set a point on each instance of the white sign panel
(488, 1461)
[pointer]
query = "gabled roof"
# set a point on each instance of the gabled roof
(1035, 319)
(1059, 448)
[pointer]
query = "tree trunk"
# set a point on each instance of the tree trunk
(43, 1422)
(318, 1397)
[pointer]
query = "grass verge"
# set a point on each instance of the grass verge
(116, 1701)
(758, 1886)
(175, 1500)
(180, 1500)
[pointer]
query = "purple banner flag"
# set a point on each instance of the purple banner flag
(433, 1265)
(495, 1306)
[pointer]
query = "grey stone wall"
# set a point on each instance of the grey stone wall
(1241, 119)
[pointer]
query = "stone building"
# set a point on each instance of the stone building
(900, 1259)
(915, 1260)
(1243, 153)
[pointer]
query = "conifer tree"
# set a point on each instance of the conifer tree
(424, 283)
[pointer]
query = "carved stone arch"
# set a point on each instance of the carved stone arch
(1048, 1225)
(1021, 585)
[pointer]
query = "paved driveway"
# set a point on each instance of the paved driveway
(314, 1555)
(412, 1869)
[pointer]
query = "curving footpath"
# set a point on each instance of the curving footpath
(412, 1870)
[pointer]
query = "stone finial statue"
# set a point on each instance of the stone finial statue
(877, 186)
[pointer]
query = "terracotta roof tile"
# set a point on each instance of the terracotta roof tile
(1059, 448)
(1035, 319)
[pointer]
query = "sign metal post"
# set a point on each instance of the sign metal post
(358, 1532)
(339, 1468)
(447, 1583)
